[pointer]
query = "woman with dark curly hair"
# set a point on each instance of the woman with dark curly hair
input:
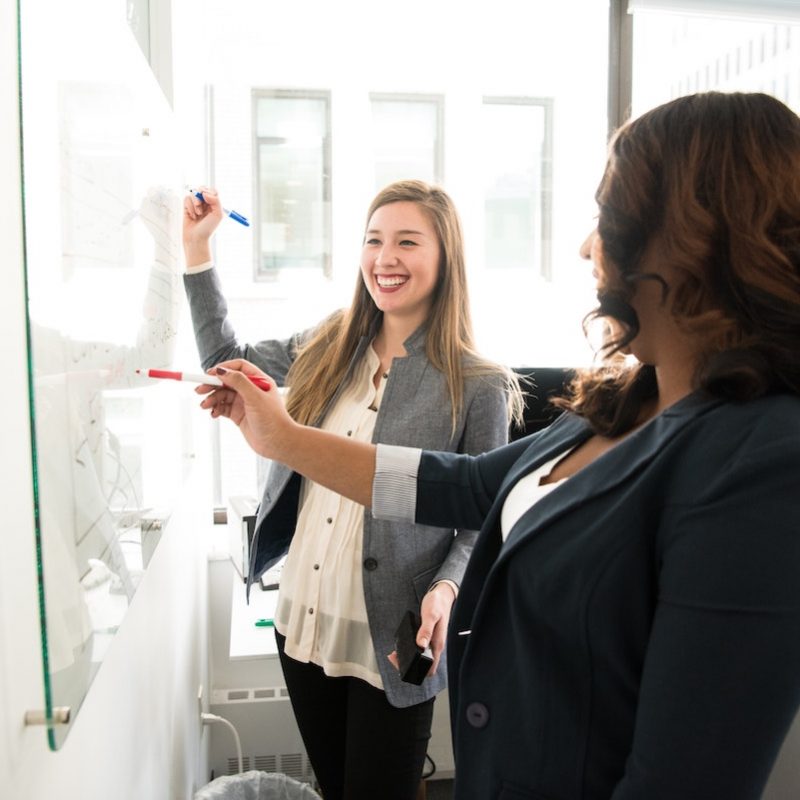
(628, 626)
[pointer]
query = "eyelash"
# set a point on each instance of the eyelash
(403, 243)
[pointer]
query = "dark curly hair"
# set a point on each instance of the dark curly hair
(714, 180)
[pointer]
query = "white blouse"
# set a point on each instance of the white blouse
(526, 493)
(321, 609)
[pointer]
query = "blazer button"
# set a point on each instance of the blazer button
(370, 564)
(477, 715)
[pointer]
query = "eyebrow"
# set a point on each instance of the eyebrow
(399, 233)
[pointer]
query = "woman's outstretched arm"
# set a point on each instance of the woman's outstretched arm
(449, 490)
(345, 466)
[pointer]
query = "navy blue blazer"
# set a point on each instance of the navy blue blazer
(637, 636)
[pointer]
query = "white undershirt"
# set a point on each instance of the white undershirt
(526, 493)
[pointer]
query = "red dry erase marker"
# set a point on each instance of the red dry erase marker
(262, 383)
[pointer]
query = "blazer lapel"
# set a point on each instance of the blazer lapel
(613, 468)
(608, 471)
(564, 433)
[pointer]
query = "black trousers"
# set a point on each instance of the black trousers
(360, 746)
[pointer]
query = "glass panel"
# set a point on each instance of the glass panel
(292, 134)
(514, 187)
(102, 238)
(405, 136)
(676, 54)
(138, 15)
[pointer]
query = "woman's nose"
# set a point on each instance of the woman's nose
(386, 255)
(586, 248)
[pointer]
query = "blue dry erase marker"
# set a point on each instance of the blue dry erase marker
(232, 214)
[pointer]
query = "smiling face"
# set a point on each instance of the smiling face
(400, 261)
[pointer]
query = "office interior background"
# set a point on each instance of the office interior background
(298, 113)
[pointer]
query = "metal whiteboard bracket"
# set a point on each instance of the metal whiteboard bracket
(61, 716)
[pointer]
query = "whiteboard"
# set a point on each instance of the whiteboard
(102, 240)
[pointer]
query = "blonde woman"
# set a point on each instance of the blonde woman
(397, 367)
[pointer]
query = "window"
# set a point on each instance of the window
(292, 160)
(517, 182)
(670, 46)
(406, 138)
(491, 107)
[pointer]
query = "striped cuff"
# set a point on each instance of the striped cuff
(394, 490)
(193, 270)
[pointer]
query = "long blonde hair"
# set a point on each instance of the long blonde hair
(322, 362)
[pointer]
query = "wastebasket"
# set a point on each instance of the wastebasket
(256, 785)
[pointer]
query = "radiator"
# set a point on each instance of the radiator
(269, 736)
(271, 741)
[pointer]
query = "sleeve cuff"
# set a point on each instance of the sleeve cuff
(452, 584)
(204, 267)
(394, 489)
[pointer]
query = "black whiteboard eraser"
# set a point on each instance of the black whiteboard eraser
(413, 661)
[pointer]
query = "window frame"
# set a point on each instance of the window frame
(259, 273)
(620, 64)
(546, 193)
(438, 101)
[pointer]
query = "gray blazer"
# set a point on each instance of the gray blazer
(400, 560)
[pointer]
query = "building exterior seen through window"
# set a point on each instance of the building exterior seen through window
(407, 137)
(292, 165)
(678, 54)
(518, 182)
